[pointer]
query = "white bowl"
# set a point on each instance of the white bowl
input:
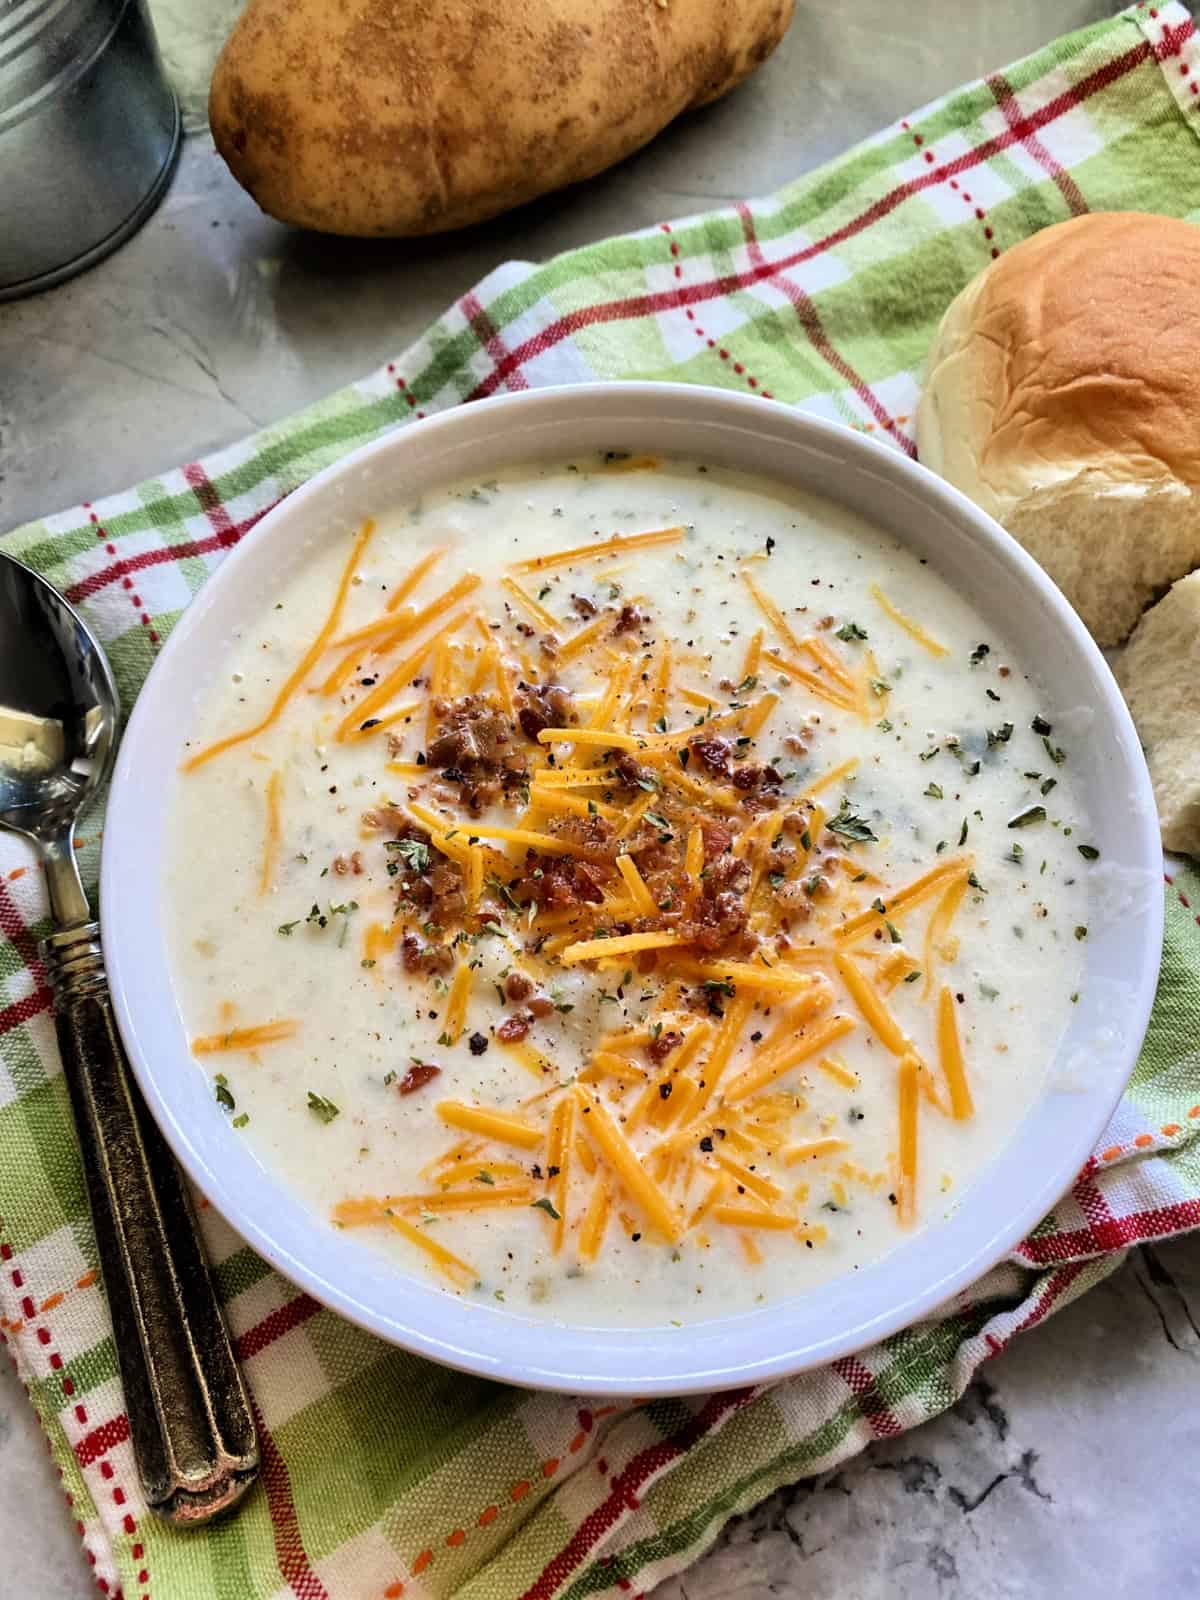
(1082, 1084)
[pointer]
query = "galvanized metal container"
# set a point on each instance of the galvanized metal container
(89, 132)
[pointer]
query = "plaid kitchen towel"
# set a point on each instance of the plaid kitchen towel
(384, 1476)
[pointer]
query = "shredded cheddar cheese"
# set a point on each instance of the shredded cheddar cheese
(913, 629)
(360, 719)
(410, 582)
(250, 1038)
(386, 633)
(610, 1143)
(621, 945)
(907, 1094)
(528, 604)
(498, 1125)
(301, 671)
(833, 693)
(772, 612)
(950, 1052)
(619, 543)
(638, 891)
(447, 1263)
(274, 790)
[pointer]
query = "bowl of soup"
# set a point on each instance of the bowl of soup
(631, 889)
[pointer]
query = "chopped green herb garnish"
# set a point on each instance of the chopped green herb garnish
(323, 1109)
(285, 928)
(415, 853)
(962, 834)
(978, 654)
(486, 1177)
(894, 933)
(1050, 783)
(547, 1206)
(224, 1097)
(1088, 852)
(240, 1121)
(851, 630)
(934, 791)
(1029, 815)
(723, 986)
(850, 826)
(497, 886)
(1081, 932)
(1040, 725)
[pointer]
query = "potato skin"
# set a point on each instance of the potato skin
(407, 117)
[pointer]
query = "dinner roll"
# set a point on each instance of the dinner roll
(1158, 673)
(1062, 394)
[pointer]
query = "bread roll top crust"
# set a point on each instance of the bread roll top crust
(1077, 351)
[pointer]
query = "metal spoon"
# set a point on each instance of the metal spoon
(189, 1415)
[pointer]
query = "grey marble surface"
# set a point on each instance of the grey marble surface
(1072, 1467)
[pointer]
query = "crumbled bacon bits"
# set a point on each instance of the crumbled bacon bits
(417, 1076)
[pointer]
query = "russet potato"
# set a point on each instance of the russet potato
(405, 117)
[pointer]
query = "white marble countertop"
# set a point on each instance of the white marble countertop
(1072, 1466)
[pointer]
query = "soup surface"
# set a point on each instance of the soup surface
(625, 890)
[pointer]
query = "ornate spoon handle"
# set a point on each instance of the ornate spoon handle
(189, 1414)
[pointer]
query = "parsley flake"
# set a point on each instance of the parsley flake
(850, 826)
(1030, 814)
(321, 1108)
(414, 853)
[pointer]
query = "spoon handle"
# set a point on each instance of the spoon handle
(189, 1414)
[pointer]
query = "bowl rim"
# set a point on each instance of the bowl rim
(491, 1342)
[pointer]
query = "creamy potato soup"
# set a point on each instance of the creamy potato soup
(625, 890)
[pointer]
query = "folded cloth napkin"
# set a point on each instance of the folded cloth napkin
(384, 1476)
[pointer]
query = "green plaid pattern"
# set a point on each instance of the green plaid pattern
(385, 1476)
